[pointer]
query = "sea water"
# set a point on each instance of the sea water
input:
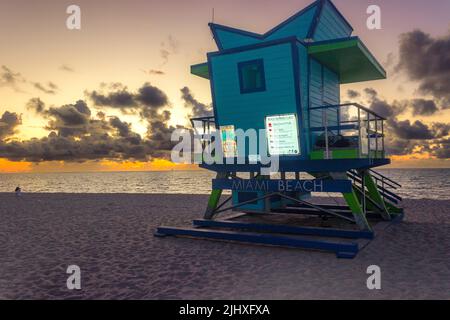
(417, 183)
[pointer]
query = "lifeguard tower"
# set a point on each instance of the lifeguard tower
(287, 83)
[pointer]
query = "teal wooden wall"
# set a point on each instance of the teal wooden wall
(248, 111)
(331, 25)
(299, 26)
(323, 90)
(230, 39)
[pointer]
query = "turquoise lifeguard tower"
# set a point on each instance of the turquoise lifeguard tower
(286, 82)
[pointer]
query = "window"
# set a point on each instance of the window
(251, 76)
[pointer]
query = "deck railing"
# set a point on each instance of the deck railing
(348, 126)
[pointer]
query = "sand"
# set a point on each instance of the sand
(110, 236)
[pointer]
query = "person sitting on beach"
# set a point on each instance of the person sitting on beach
(18, 192)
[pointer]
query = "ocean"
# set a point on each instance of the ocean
(416, 183)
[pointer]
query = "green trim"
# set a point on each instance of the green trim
(214, 198)
(345, 154)
(332, 46)
(349, 58)
(393, 210)
(201, 70)
(375, 195)
(335, 154)
(357, 210)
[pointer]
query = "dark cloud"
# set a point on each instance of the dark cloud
(198, 109)
(156, 72)
(118, 96)
(152, 97)
(398, 146)
(123, 128)
(36, 105)
(121, 99)
(410, 131)
(426, 59)
(9, 78)
(382, 107)
(77, 135)
(8, 124)
(352, 94)
(441, 149)
(404, 136)
(422, 107)
(50, 88)
(371, 92)
(56, 147)
(440, 129)
(70, 120)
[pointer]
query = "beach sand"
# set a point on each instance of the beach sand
(110, 237)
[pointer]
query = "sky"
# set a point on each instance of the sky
(123, 81)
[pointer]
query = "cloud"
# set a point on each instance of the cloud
(36, 105)
(169, 47)
(422, 107)
(9, 78)
(121, 99)
(146, 99)
(404, 136)
(50, 89)
(156, 72)
(389, 62)
(382, 107)
(90, 147)
(352, 94)
(79, 138)
(164, 53)
(151, 96)
(418, 130)
(67, 68)
(426, 59)
(79, 135)
(198, 109)
(441, 149)
(9, 121)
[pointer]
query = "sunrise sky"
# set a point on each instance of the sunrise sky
(143, 49)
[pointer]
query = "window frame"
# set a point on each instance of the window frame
(260, 64)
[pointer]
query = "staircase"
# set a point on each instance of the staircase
(377, 192)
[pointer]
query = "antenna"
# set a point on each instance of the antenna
(212, 21)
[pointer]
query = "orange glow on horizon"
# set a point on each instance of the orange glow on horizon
(416, 160)
(155, 165)
(7, 166)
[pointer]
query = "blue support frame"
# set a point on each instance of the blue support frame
(323, 232)
(296, 164)
(342, 250)
(276, 185)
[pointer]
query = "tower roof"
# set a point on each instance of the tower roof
(309, 23)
